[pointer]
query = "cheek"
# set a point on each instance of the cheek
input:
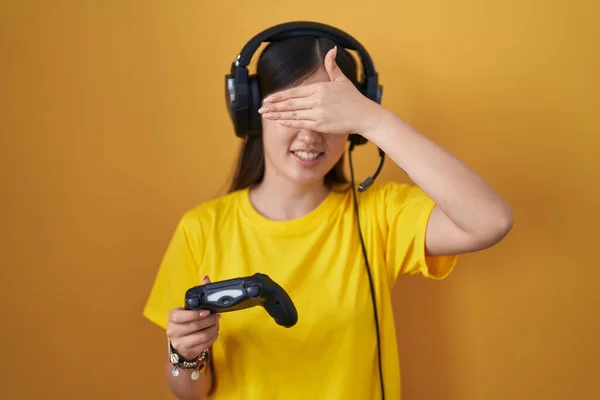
(337, 145)
(277, 139)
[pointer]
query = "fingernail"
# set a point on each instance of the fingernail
(204, 313)
(205, 278)
(268, 99)
(263, 110)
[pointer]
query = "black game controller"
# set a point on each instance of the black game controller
(241, 293)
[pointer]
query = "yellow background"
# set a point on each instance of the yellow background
(113, 123)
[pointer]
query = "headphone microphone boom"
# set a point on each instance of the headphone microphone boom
(243, 97)
(371, 179)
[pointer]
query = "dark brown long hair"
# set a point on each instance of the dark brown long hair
(282, 65)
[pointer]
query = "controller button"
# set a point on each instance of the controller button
(253, 292)
(226, 300)
(193, 302)
(231, 293)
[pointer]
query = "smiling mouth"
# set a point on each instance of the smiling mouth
(307, 155)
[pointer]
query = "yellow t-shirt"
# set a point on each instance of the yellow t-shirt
(331, 353)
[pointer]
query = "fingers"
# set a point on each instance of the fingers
(332, 68)
(304, 103)
(305, 115)
(196, 339)
(182, 316)
(299, 124)
(203, 346)
(293, 93)
(192, 345)
(191, 332)
(180, 330)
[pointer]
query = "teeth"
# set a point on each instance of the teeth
(307, 156)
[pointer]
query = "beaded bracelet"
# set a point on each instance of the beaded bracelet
(179, 363)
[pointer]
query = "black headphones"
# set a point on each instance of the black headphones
(243, 94)
(244, 99)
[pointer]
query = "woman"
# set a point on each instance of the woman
(289, 214)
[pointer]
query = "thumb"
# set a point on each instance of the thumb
(334, 72)
(205, 280)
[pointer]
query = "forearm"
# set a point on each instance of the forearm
(184, 387)
(456, 189)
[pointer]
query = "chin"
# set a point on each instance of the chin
(305, 179)
(308, 172)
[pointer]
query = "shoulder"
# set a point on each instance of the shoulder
(210, 212)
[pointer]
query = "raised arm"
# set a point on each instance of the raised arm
(469, 215)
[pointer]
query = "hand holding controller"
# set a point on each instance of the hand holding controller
(241, 293)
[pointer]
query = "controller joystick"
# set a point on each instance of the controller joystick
(241, 293)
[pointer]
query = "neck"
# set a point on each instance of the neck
(284, 200)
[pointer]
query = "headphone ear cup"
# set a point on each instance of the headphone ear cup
(230, 100)
(254, 119)
(237, 99)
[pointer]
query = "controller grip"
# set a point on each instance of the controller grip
(278, 304)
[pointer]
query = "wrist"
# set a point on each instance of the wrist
(378, 125)
(195, 364)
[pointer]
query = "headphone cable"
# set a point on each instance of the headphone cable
(364, 251)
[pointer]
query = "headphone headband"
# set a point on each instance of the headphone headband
(302, 29)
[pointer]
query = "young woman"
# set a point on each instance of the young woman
(290, 215)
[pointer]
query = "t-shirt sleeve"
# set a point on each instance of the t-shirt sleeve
(177, 272)
(407, 212)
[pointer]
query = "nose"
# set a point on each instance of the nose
(310, 137)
